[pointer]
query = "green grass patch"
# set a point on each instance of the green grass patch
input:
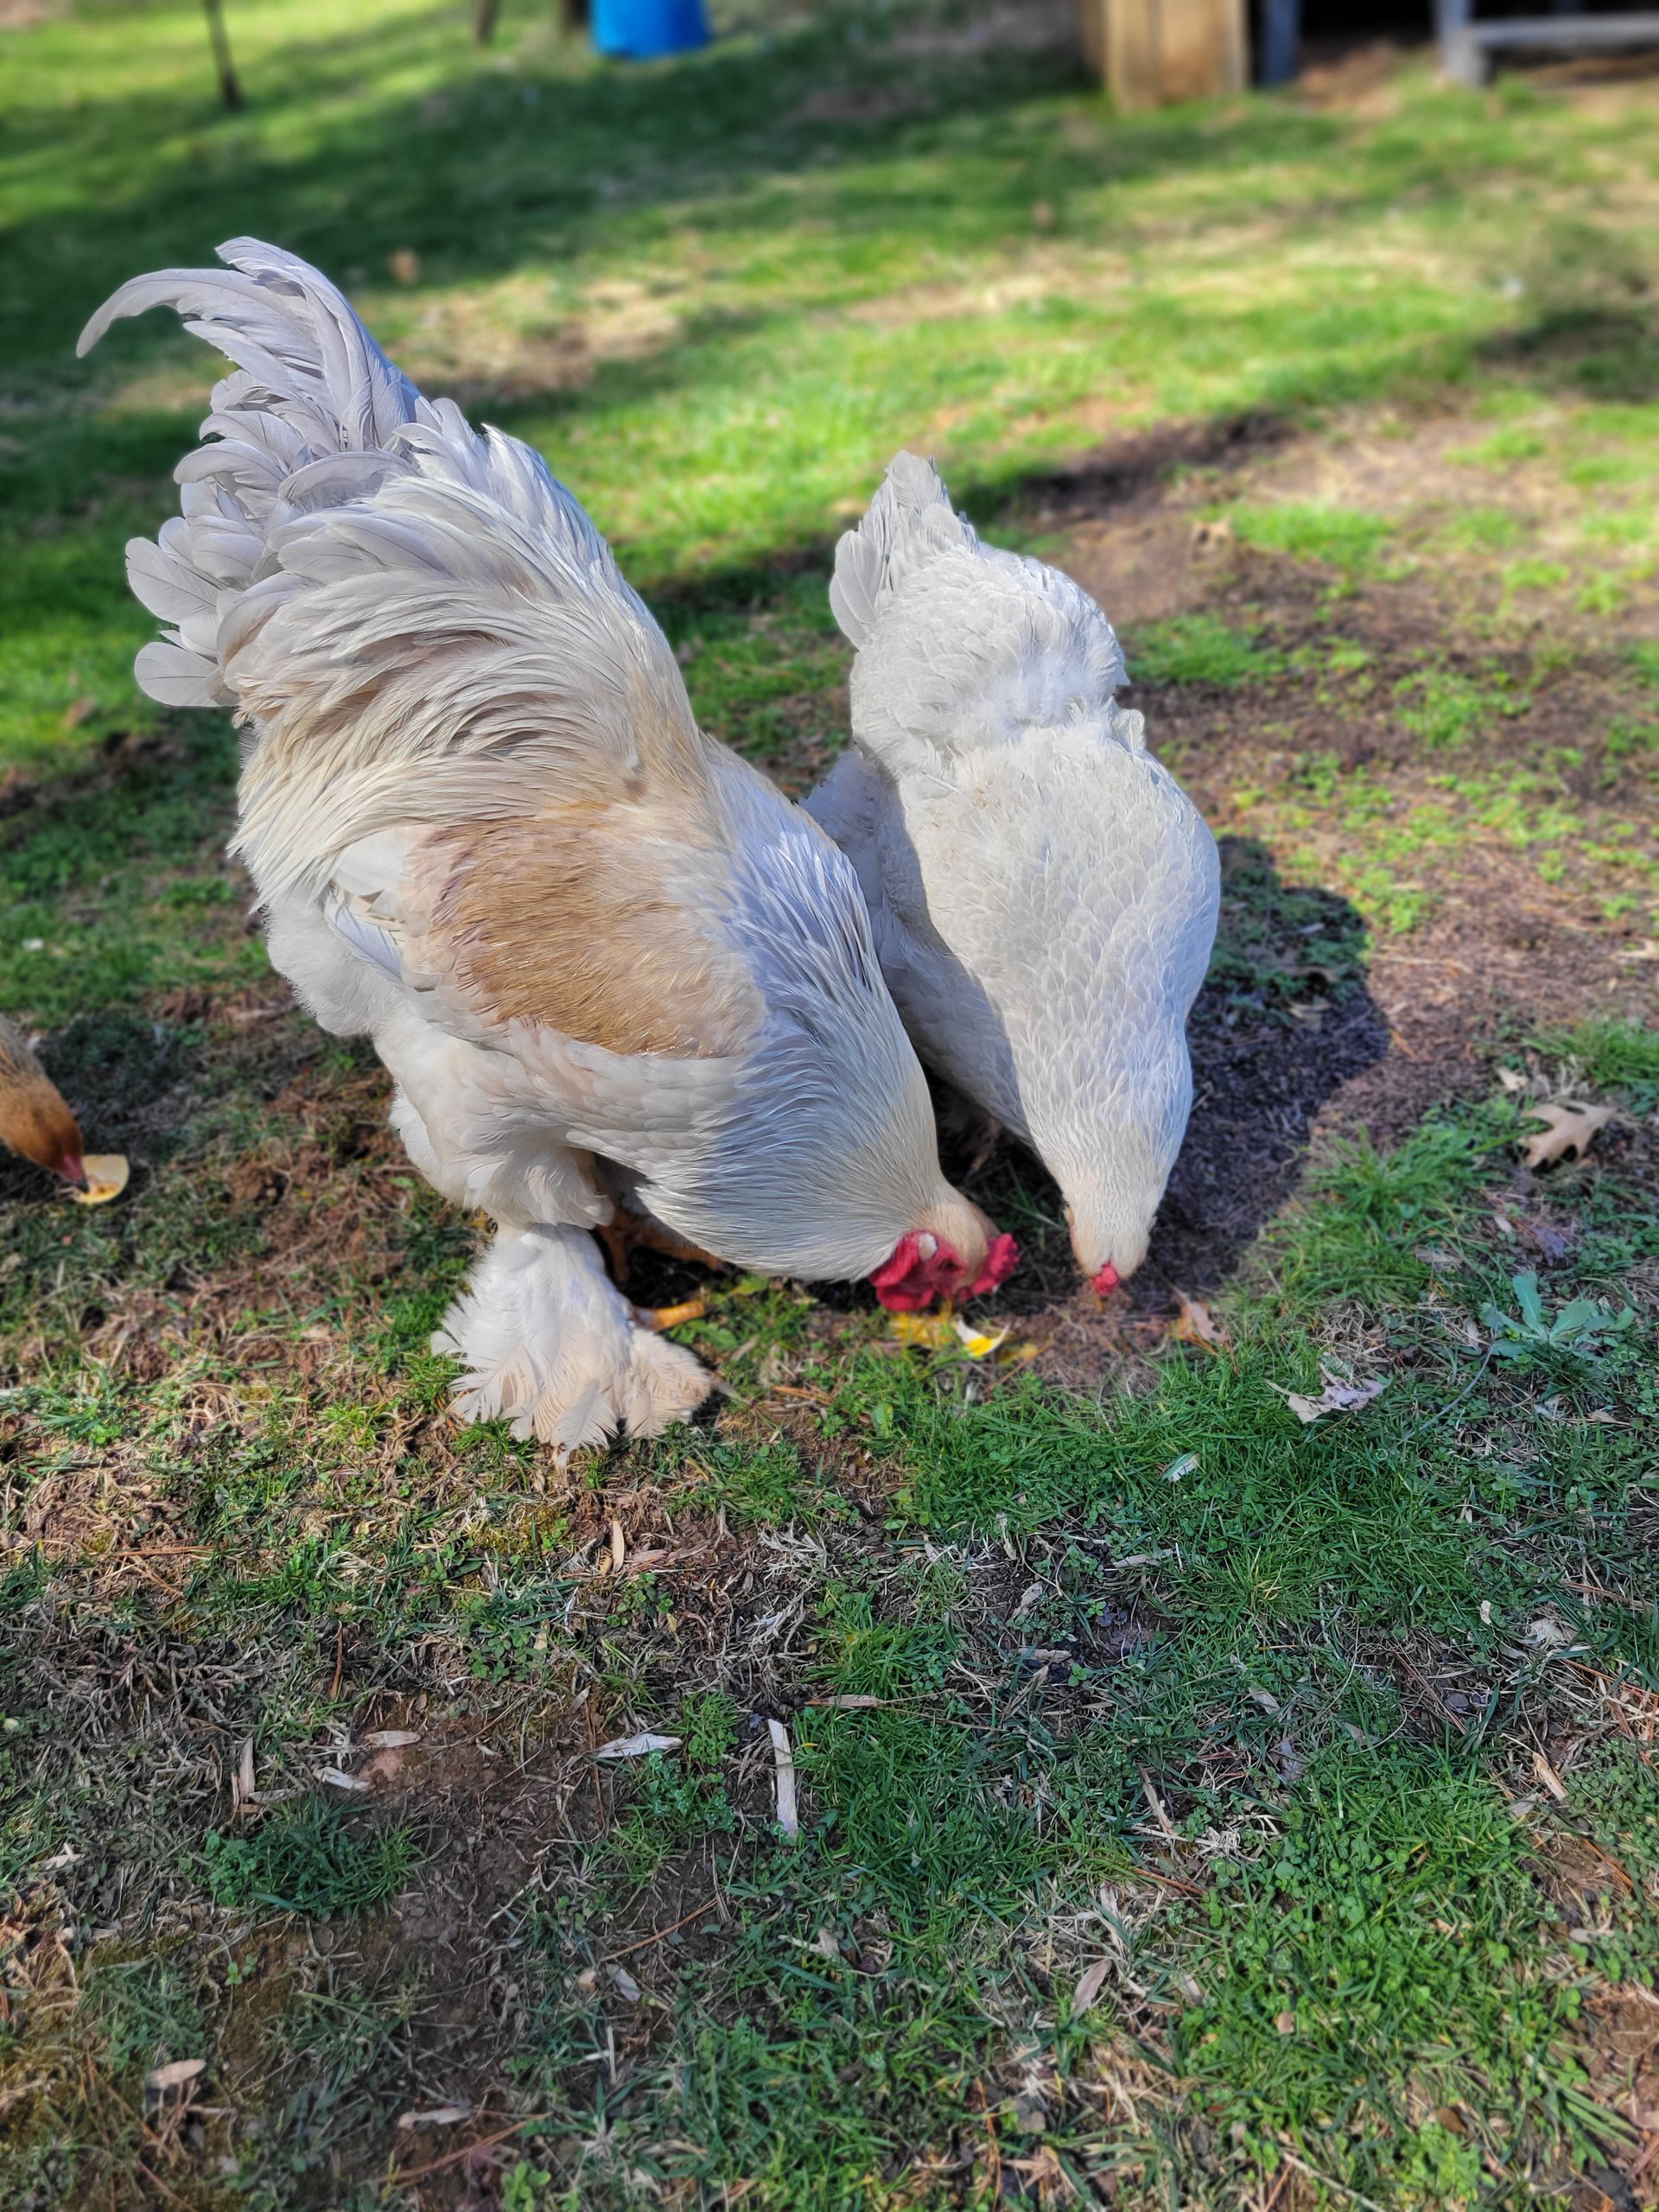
(1336, 538)
(1197, 649)
(1162, 1681)
(312, 1859)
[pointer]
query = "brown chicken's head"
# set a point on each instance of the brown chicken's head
(35, 1121)
(958, 1254)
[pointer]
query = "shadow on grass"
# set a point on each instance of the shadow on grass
(494, 166)
(1592, 352)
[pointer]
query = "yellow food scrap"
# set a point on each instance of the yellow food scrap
(106, 1178)
(944, 1331)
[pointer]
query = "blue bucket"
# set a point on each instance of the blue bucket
(638, 30)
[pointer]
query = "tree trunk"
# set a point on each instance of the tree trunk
(485, 13)
(229, 90)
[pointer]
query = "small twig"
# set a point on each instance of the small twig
(1612, 1597)
(155, 2181)
(1286, 2170)
(1157, 1805)
(454, 2157)
(1325, 2182)
(645, 1941)
(340, 1660)
(1423, 1682)
(1143, 1872)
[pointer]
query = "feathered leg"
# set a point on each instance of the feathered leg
(551, 1344)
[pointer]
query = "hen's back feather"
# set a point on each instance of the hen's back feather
(961, 646)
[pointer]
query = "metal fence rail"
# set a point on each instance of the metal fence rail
(1469, 50)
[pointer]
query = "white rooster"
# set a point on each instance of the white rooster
(602, 958)
(1043, 892)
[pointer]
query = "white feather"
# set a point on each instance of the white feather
(424, 631)
(1043, 892)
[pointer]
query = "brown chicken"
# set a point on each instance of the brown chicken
(34, 1119)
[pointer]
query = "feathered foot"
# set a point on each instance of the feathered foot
(550, 1344)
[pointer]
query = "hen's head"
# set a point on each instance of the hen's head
(957, 1253)
(1111, 1201)
(35, 1121)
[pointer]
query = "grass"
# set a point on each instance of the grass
(312, 1862)
(1198, 1805)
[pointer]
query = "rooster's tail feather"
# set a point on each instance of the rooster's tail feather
(418, 618)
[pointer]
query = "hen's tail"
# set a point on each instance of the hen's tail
(962, 645)
(910, 520)
(417, 618)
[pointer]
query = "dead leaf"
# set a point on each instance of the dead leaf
(783, 1756)
(1196, 1325)
(405, 266)
(1548, 1776)
(939, 1333)
(440, 2116)
(1436, 1256)
(849, 1702)
(1569, 1129)
(619, 1545)
(1337, 1397)
(637, 1747)
(1286, 2024)
(390, 1739)
(624, 1985)
(1090, 1988)
(977, 1344)
(106, 1178)
(242, 1782)
(78, 711)
(338, 1779)
(825, 1945)
(175, 2074)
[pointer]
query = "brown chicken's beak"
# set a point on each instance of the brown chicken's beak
(73, 1169)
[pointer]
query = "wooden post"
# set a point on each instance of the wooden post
(1151, 52)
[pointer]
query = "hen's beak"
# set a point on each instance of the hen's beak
(73, 1169)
